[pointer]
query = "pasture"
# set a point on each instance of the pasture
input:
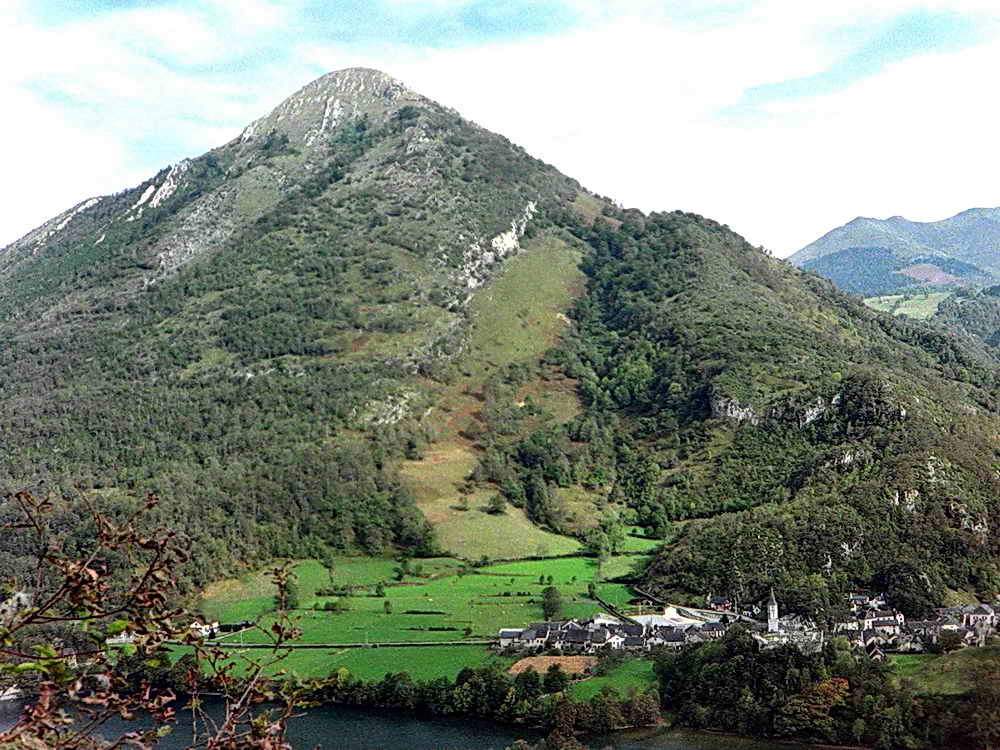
(516, 318)
(913, 305)
(250, 595)
(449, 603)
(633, 673)
(954, 673)
(374, 663)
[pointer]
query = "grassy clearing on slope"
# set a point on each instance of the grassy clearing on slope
(475, 533)
(516, 318)
(639, 544)
(950, 674)
(634, 673)
(907, 665)
(519, 315)
(589, 207)
(624, 565)
(919, 306)
(472, 533)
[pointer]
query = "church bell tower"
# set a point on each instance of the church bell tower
(772, 614)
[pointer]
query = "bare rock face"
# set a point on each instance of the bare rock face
(481, 255)
(731, 410)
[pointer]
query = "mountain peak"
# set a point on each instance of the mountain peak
(364, 83)
(320, 106)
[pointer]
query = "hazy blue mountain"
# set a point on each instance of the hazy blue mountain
(873, 256)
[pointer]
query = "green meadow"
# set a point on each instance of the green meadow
(954, 673)
(913, 305)
(633, 673)
(446, 602)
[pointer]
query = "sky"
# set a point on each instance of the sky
(780, 118)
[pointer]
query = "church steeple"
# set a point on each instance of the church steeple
(772, 613)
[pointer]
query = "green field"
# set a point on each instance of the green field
(949, 674)
(639, 544)
(246, 598)
(424, 663)
(476, 603)
(570, 570)
(634, 673)
(920, 306)
(372, 664)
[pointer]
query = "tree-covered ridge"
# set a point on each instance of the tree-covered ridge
(875, 271)
(267, 380)
(868, 271)
(810, 443)
(973, 314)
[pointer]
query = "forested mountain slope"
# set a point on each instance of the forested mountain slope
(785, 434)
(255, 333)
(974, 314)
(263, 334)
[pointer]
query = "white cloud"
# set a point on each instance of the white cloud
(630, 110)
(628, 105)
(51, 164)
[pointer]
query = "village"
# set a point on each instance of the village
(869, 626)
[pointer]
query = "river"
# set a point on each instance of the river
(343, 728)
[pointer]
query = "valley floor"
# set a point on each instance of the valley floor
(441, 599)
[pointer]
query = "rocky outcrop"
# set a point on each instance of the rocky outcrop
(313, 113)
(868, 402)
(387, 411)
(207, 223)
(480, 256)
(905, 499)
(976, 523)
(731, 410)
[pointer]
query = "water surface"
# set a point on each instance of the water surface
(341, 728)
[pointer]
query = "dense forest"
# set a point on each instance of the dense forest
(973, 314)
(806, 442)
(874, 271)
(834, 697)
(868, 271)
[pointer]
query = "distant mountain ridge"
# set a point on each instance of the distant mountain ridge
(873, 256)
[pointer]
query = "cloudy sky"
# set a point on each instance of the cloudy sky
(781, 118)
